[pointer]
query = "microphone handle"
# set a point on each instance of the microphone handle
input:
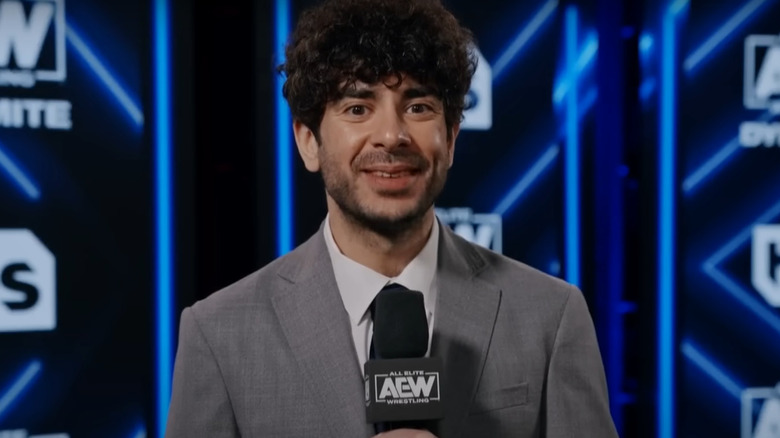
(387, 426)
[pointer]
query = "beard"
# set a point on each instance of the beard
(341, 188)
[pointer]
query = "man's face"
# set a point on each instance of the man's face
(384, 153)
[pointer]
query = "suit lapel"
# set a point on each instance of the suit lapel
(317, 329)
(466, 312)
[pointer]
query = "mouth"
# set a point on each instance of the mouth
(391, 175)
(391, 180)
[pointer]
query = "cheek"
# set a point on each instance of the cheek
(441, 149)
(340, 147)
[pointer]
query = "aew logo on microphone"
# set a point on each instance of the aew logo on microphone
(406, 387)
(32, 42)
(484, 229)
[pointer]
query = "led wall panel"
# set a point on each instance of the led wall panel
(729, 220)
(76, 219)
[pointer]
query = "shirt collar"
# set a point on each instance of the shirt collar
(359, 284)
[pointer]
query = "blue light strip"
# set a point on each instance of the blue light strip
(108, 80)
(723, 156)
(21, 384)
(140, 432)
(666, 232)
(525, 35)
(710, 267)
(164, 209)
(709, 368)
(745, 298)
(284, 200)
(527, 180)
(745, 235)
(587, 55)
(677, 6)
(745, 12)
(17, 176)
(709, 166)
(647, 88)
(591, 96)
(572, 158)
(645, 43)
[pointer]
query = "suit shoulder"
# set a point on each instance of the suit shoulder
(250, 292)
(517, 277)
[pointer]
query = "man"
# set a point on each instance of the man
(376, 89)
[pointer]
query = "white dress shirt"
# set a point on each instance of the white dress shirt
(359, 285)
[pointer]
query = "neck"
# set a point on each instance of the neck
(387, 255)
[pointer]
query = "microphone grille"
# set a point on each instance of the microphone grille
(400, 323)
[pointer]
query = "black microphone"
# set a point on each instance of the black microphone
(403, 388)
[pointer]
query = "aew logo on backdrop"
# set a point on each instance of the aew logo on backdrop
(27, 283)
(32, 42)
(766, 262)
(484, 229)
(478, 110)
(407, 387)
(761, 412)
(32, 50)
(761, 90)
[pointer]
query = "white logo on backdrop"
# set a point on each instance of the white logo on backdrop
(484, 229)
(32, 44)
(766, 262)
(478, 114)
(27, 283)
(761, 412)
(761, 89)
(32, 49)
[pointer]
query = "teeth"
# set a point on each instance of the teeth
(390, 175)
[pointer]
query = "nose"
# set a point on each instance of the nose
(390, 130)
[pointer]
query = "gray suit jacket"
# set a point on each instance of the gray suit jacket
(272, 355)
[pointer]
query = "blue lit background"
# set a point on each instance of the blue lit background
(86, 194)
(571, 195)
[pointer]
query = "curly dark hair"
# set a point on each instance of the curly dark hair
(341, 42)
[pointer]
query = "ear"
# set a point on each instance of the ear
(451, 142)
(307, 146)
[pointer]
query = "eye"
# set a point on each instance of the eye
(418, 108)
(357, 110)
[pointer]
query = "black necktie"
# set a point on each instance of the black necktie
(372, 310)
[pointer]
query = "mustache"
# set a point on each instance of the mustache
(398, 156)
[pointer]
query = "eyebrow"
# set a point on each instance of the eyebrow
(367, 93)
(356, 93)
(418, 91)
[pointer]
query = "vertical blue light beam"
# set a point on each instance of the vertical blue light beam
(164, 201)
(571, 163)
(284, 212)
(666, 214)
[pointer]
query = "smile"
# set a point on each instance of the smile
(391, 174)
